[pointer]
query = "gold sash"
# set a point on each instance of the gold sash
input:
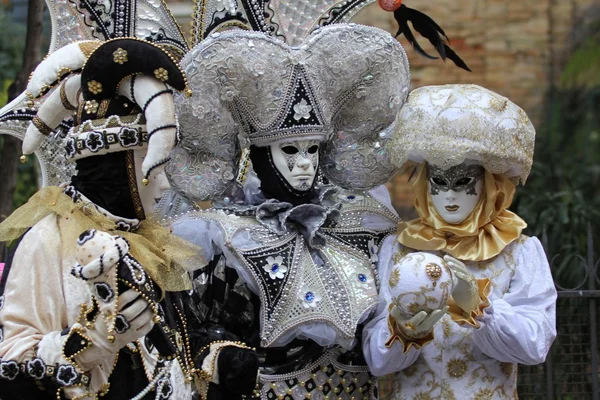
(164, 256)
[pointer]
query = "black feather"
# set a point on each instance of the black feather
(430, 21)
(430, 30)
(401, 17)
(455, 58)
(427, 30)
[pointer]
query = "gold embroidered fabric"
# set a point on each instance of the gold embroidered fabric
(448, 124)
(483, 235)
(164, 256)
(463, 318)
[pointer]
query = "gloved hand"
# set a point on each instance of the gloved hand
(134, 320)
(229, 370)
(466, 291)
(418, 326)
(238, 370)
(97, 253)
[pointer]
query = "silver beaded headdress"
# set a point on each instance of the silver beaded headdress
(344, 85)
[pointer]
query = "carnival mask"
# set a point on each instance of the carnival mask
(455, 191)
(297, 162)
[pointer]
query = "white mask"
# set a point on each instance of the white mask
(157, 183)
(297, 162)
(456, 191)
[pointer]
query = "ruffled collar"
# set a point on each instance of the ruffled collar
(280, 217)
(164, 256)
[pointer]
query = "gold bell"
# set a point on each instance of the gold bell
(23, 159)
(145, 181)
(189, 379)
(111, 338)
(156, 319)
(188, 92)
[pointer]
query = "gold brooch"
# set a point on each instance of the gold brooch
(91, 106)
(434, 272)
(161, 74)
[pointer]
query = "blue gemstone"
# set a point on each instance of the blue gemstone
(275, 267)
(351, 197)
(362, 278)
(309, 297)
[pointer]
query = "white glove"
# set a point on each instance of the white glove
(418, 326)
(466, 291)
(137, 320)
(97, 253)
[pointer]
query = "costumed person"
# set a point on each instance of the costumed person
(456, 327)
(79, 312)
(290, 278)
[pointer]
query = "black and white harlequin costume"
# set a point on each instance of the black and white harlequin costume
(291, 267)
(80, 313)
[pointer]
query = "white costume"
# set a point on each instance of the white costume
(40, 281)
(502, 310)
(464, 363)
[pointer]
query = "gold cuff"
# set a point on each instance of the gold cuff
(397, 334)
(41, 126)
(463, 318)
(205, 375)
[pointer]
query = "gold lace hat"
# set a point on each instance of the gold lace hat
(446, 125)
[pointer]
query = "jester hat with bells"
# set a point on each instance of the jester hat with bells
(119, 92)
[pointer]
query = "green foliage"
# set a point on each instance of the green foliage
(4, 92)
(582, 69)
(12, 43)
(562, 195)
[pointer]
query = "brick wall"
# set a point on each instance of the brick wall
(517, 48)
